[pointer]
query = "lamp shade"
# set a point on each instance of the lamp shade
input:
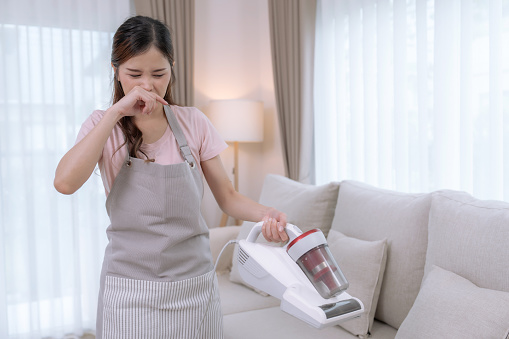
(237, 120)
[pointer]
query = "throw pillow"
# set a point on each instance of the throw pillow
(450, 306)
(306, 206)
(370, 213)
(363, 264)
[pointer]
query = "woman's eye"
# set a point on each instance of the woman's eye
(158, 75)
(134, 75)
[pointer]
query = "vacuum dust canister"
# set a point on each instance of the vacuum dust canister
(311, 252)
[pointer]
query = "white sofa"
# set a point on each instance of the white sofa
(433, 265)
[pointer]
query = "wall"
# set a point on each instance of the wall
(233, 61)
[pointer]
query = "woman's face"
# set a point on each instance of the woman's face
(150, 70)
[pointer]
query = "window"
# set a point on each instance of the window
(55, 70)
(413, 95)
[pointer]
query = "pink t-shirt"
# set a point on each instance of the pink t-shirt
(203, 139)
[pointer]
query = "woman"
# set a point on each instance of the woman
(157, 278)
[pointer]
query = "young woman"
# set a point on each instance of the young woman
(157, 279)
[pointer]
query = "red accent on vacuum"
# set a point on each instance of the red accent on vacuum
(303, 235)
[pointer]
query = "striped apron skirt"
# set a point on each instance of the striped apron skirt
(157, 279)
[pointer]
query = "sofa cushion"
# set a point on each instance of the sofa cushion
(363, 264)
(274, 323)
(239, 298)
(370, 213)
(449, 306)
(470, 237)
(306, 206)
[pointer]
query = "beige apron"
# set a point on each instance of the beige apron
(157, 279)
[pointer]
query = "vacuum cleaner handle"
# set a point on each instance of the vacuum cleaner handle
(292, 231)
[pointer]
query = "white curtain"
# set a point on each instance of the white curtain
(54, 71)
(413, 95)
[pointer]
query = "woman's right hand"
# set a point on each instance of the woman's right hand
(79, 162)
(138, 101)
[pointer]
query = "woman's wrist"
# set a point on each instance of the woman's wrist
(114, 114)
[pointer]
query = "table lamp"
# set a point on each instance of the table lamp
(237, 121)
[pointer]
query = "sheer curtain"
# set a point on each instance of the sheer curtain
(413, 95)
(54, 71)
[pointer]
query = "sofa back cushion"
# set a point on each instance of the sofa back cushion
(370, 213)
(470, 237)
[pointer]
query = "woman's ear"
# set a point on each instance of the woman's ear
(115, 76)
(114, 71)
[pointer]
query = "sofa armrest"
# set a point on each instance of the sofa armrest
(219, 236)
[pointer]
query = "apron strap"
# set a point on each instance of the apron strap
(185, 150)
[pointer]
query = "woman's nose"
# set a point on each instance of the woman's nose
(146, 83)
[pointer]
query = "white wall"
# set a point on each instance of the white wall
(233, 61)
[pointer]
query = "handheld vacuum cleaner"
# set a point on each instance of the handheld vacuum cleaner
(303, 275)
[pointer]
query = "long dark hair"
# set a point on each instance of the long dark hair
(134, 37)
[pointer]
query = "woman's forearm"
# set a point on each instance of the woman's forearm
(240, 207)
(79, 162)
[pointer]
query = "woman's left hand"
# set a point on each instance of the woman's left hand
(274, 223)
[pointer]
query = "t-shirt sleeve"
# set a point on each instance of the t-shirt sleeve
(89, 124)
(212, 144)
(110, 160)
